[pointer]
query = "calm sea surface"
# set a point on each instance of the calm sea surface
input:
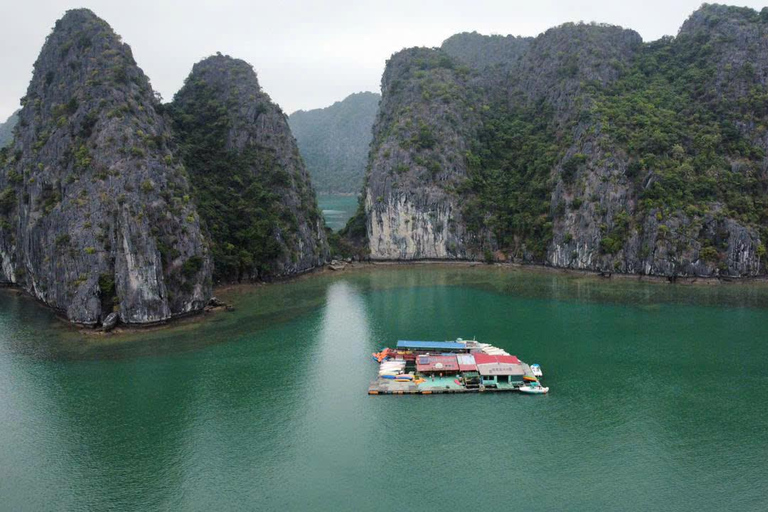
(337, 210)
(659, 400)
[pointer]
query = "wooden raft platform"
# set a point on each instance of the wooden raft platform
(390, 387)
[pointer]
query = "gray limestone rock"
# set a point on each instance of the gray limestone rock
(96, 216)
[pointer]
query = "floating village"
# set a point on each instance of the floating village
(461, 366)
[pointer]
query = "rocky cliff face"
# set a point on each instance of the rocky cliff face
(334, 141)
(582, 148)
(660, 197)
(95, 207)
(250, 183)
(426, 122)
(6, 130)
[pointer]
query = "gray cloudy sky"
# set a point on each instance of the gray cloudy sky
(308, 54)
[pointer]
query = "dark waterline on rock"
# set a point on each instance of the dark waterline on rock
(657, 400)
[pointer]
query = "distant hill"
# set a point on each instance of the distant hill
(334, 141)
(6, 130)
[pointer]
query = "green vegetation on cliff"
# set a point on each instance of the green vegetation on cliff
(93, 216)
(251, 189)
(693, 132)
(676, 127)
(509, 184)
(239, 209)
(583, 147)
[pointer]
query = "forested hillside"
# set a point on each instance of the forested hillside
(583, 147)
(334, 142)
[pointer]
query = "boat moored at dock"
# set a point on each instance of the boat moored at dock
(534, 388)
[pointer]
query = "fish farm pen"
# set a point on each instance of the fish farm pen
(436, 367)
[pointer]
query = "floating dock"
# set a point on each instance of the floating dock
(438, 367)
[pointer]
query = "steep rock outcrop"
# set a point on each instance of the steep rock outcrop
(586, 148)
(564, 63)
(425, 124)
(95, 210)
(731, 42)
(628, 204)
(334, 141)
(249, 181)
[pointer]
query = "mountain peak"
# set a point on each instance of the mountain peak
(243, 159)
(100, 221)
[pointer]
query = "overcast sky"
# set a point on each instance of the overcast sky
(308, 54)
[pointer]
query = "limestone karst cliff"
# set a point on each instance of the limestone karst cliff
(249, 181)
(427, 120)
(95, 212)
(582, 148)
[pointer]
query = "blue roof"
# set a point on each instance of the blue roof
(437, 345)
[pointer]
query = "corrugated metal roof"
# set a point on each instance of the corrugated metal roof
(466, 363)
(481, 358)
(437, 345)
(436, 364)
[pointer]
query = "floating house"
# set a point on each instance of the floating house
(426, 367)
(495, 369)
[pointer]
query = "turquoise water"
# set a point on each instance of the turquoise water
(337, 210)
(658, 400)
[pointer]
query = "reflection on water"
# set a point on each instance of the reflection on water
(658, 400)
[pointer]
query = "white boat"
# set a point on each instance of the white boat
(536, 370)
(534, 389)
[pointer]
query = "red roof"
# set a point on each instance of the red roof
(483, 358)
(437, 364)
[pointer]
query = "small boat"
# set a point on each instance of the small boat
(383, 355)
(534, 389)
(536, 370)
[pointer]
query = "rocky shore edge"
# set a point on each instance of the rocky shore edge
(216, 306)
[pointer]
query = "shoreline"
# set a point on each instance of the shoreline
(95, 332)
(540, 267)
